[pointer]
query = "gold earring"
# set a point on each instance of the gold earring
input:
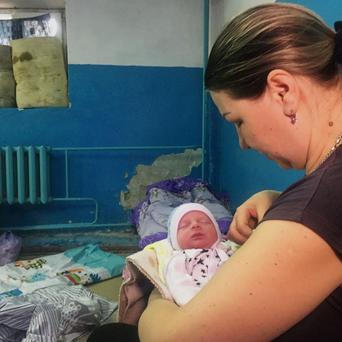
(292, 116)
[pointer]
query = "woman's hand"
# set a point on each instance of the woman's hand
(155, 294)
(249, 214)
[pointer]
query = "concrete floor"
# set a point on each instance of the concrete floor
(108, 289)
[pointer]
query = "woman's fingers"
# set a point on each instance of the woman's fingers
(249, 213)
(241, 228)
(235, 236)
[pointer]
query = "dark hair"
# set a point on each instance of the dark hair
(268, 37)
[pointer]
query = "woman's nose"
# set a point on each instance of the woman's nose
(242, 143)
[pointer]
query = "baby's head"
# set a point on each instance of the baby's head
(192, 225)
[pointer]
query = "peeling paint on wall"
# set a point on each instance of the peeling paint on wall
(167, 166)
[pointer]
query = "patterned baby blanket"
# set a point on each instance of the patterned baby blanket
(83, 265)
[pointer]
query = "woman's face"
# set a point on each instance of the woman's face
(260, 125)
(196, 230)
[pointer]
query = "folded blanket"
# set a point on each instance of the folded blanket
(143, 272)
(151, 216)
(141, 275)
(163, 252)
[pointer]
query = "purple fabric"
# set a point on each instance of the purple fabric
(152, 238)
(10, 246)
(173, 185)
(176, 185)
(224, 224)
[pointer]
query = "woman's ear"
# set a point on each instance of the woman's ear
(283, 88)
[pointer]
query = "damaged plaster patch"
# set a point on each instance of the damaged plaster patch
(167, 166)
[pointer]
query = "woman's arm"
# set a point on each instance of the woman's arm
(249, 214)
(273, 281)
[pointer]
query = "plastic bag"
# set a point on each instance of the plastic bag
(10, 246)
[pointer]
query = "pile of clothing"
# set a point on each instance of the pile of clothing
(44, 299)
(152, 214)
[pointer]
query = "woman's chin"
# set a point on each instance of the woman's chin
(285, 166)
(283, 163)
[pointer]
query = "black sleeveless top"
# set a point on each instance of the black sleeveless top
(316, 202)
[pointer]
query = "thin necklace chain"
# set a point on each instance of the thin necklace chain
(331, 151)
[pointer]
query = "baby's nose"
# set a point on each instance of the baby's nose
(195, 224)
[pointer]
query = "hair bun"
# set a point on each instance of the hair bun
(338, 46)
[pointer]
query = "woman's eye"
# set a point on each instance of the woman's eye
(238, 123)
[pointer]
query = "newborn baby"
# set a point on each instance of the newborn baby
(198, 250)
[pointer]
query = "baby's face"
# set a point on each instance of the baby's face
(196, 230)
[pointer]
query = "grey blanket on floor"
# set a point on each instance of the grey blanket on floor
(52, 314)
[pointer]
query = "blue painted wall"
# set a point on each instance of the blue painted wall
(110, 106)
(329, 10)
(121, 105)
(242, 173)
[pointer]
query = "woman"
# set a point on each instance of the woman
(274, 72)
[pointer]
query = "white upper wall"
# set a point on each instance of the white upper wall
(135, 32)
(32, 4)
(222, 11)
(139, 32)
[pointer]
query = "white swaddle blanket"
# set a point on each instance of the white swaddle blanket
(178, 274)
(190, 269)
(145, 270)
